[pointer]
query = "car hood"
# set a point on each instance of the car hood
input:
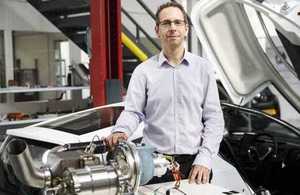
(230, 43)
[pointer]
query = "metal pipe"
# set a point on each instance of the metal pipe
(3, 145)
(23, 165)
(133, 48)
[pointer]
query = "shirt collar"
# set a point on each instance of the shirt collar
(186, 60)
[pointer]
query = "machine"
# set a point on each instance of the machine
(87, 169)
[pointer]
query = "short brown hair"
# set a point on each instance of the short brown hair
(170, 4)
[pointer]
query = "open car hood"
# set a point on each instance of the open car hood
(244, 69)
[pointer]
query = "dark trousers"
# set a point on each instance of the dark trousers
(185, 161)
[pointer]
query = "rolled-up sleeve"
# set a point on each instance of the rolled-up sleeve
(135, 101)
(213, 124)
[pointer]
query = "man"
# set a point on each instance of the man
(175, 94)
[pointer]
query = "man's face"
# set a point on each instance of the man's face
(172, 28)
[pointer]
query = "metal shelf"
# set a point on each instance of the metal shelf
(39, 89)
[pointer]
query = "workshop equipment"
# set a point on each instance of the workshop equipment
(89, 169)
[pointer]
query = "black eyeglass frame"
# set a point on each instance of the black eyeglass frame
(168, 23)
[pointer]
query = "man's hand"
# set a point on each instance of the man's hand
(113, 138)
(199, 174)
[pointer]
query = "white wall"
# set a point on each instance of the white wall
(29, 48)
(40, 47)
(20, 15)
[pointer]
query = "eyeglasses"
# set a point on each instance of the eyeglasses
(168, 23)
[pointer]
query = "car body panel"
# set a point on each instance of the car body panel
(64, 129)
(224, 30)
(44, 134)
(234, 180)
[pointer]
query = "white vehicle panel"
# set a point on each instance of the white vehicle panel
(224, 30)
(44, 135)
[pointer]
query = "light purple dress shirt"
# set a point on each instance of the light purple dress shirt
(179, 105)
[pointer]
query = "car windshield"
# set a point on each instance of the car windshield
(243, 120)
(88, 121)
